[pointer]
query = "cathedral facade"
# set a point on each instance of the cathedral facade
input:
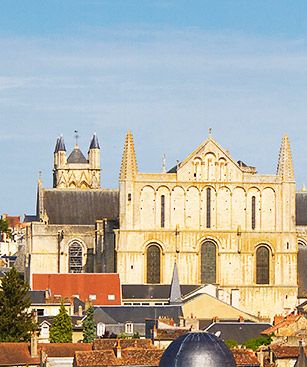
(219, 220)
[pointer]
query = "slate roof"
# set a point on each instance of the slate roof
(301, 208)
(37, 297)
(67, 206)
(153, 291)
(238, 331)
(76, 156)
(102, 285)
(16, 354)
(135, 314)
(94, 142)
(302, 271)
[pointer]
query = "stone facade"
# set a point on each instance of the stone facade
(220, 220)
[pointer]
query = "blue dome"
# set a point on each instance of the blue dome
(197, 350)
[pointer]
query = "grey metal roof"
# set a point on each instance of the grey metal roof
(37, 297)
(238, 331)
(301, 208)
(94, 143)
(175, 292)
(153, 291)
(135, 314)
(197, 350)
(76, 156)
(30, 218)
(68, 206)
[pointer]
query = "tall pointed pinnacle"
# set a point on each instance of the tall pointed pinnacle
(301, 361)
(94, 142)
(56, 149)
(175, 292)
(285, 166)
(129, 167)
(61, 145)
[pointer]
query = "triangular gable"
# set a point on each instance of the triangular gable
(201, 148)
(210, 162)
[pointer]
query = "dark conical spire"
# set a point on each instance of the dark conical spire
(175, 292)
(56, 149)
(301, 361)
(94, 143)
(61, 145)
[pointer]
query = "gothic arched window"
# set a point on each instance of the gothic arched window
(262, 265)
(208, 262)
(75, 258)
(153, 264)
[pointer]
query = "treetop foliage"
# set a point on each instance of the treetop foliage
(16, 323)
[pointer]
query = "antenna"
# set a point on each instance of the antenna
(76, 137)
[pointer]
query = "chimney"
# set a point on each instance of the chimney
(241, 318)
(34, 352)
(80, 311)
(47, 293)
(118, 349)
(181, 321)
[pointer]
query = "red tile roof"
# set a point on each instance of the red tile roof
(245, 357)
(129, 357)
(63, 349)
(286, 351)
(290, 319)
(103, 344)
(16, 354)
(13, 221)
(104, 286)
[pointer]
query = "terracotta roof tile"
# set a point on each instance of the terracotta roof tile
(129, 357)
(103, 344)
(63, 349)
(245, 357)
(285, 351)
(285, 322)
(16, 354)
(104, 286)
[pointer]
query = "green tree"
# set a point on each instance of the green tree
(255, 343)
(16, 323)
(61, 329)
(4, 227)
(231, 343)
(89, 327)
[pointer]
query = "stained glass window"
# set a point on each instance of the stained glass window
(262, 265)
(75, 258)
(208, 263)
(153, 264)
(208, 208)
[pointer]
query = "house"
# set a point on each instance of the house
(132, 319)
(101, 289)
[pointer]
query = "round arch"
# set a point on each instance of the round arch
(208, 261)
(153, 263)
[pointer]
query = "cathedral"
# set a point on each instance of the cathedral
(219, 220)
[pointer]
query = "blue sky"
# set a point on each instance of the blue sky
(168, 70)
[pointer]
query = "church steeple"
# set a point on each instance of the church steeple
(61, 145)
(129, 166)
(285, 166)
(175, 292)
